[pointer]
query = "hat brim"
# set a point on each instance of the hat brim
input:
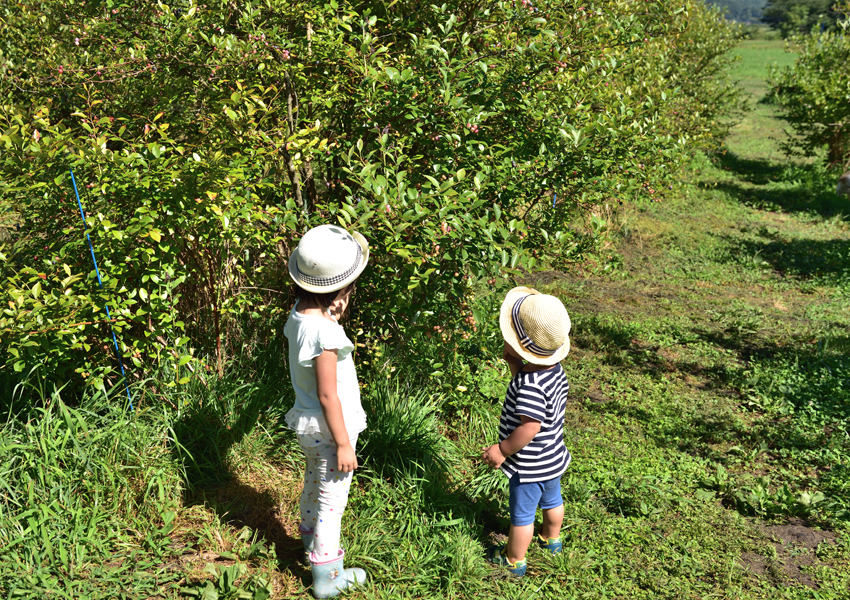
(506, 324)
(293, 270)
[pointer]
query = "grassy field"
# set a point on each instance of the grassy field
(758, 135)
(710, 405)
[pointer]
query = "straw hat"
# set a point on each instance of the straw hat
(328, 258)
(535, 325)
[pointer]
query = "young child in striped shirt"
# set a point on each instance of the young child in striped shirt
(531, 450)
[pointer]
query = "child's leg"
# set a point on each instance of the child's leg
(331, 502)
(552, 505)
(518, 540)
(552, 520)
(524, 498)
(310, 493)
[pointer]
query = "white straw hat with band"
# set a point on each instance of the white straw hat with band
(328, 258)
(535, 325)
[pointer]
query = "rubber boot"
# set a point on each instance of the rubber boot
(330, 578)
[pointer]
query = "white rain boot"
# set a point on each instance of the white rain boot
(330, 578)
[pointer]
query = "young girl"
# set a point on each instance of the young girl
(327, 416)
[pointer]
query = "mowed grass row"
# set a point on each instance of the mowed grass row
(708, 418)
(760, 132)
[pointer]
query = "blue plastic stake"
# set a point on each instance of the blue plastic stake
(100, 283)
(555, 197)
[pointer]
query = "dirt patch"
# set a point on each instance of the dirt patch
(598, 397)
(542, 278)
(494, 537)
(594, 394)
(755, 563)
(795, 543)
(797, 531)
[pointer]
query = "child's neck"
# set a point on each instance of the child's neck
(532, 368)
(304, 307)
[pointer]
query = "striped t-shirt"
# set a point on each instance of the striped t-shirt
(542, 396)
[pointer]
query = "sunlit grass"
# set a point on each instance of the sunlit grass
(758, 135)
(709, 402)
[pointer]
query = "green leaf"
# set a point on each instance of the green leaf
(705, 495)
(209, 592)
(452, 521)
(262, 593)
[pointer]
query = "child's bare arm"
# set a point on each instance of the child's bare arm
(332, 409)
(519, 438)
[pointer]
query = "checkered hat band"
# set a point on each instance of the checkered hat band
(328, 281)
(523, 337)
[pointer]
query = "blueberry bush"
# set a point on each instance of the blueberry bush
(468, 142)
(814, 93)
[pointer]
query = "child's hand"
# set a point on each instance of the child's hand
(493, 456)
(508, 354)
(346, 460)
(515, 363)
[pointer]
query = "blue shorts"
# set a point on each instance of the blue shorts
(526, 497)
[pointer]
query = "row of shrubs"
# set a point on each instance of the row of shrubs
(465, 142)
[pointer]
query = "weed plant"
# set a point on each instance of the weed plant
(403, 438)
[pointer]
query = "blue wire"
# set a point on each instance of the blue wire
(100, 283)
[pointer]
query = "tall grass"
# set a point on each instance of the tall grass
(81, 487)
(403, 437)
(100, 501)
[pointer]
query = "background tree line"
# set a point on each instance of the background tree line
(794, 17)
(741, 11)
(789, 17)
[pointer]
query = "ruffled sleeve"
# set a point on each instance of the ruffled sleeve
(326, 336)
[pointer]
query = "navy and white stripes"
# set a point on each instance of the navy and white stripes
(542, 396)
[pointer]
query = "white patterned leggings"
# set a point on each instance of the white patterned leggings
(325, 495)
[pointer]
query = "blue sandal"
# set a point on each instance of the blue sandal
(497, 556)
(553, 545)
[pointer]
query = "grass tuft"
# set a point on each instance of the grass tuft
(403, 438)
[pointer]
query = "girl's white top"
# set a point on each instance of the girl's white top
(309, 336)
